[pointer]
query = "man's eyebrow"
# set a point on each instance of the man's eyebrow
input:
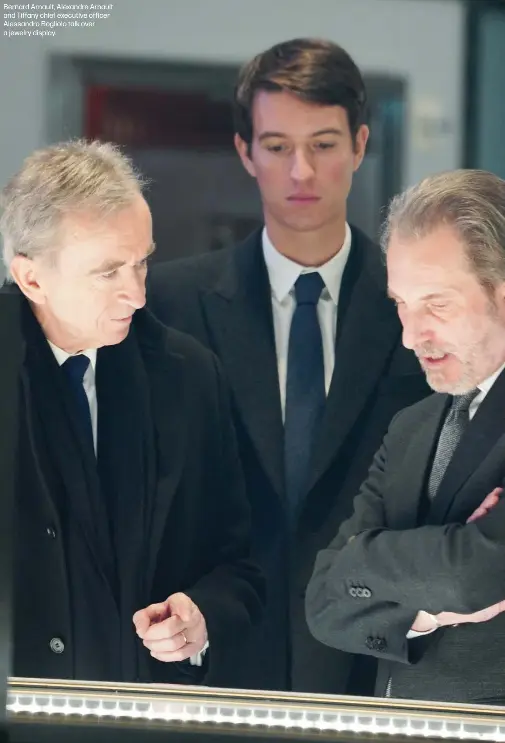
(424, 298)
(318, 133)
(109, 266)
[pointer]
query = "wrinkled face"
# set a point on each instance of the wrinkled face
(455, 327)
(303, 158)
(86, 296)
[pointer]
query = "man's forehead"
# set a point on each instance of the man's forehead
(291, 110)
(441, 245)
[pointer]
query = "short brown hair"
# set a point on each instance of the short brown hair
(470, 201)
(315, 70)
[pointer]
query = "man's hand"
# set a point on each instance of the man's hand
(446, 618)
(425, 622)
(173, 630)
(489, 502)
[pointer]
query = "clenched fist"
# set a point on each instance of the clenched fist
(172, 631)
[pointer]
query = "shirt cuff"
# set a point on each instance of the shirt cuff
(197, 660)
(413, 633)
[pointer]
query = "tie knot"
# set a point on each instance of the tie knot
(308, 288)
(75, 367)
(461, 403)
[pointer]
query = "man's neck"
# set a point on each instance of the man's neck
(54, 335)
(311, 248)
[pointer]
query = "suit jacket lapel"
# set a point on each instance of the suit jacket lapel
(239, 313)
(367, 331)
(482, 434)
(409, 485)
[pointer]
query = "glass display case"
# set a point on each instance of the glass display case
(41, 710)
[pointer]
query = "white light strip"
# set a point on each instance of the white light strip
(336, 719)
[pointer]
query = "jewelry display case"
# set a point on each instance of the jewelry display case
(41, 710)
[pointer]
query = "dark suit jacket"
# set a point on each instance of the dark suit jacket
(224, 300)
(198, 541)
(399, 553)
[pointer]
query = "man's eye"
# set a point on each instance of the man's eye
(109, 274)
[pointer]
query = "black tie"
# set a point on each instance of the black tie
(75, 368)
(305, 388)
(454, 426)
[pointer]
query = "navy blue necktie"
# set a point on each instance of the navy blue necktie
(75, 368)
(305, 389)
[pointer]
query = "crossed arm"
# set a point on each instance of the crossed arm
(417, 578)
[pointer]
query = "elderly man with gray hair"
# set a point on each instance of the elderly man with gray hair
(131, 525)
(416, 576)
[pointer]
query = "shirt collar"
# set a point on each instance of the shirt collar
(61, 356)
(486, 385)
(284, 272)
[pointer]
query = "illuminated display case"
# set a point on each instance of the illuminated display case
(40, 710)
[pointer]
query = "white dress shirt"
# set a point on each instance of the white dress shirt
(283, 273)
(484, 388)
(89, 385)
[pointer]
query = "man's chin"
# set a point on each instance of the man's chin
(116, 337)
(440, 383)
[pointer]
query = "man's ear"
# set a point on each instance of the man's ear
(24, 272)
(360, 145)
(243, 149)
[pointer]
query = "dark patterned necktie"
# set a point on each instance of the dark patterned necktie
(75, 368)
(454, 426)
(305, 388)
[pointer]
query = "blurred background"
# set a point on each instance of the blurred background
(157, 77)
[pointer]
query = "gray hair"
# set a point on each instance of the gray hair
(470, 201)
(56, 182)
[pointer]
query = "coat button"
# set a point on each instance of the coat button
(51, 532)
(57, 645)
(353, 592)
(359, 593)
(366, 593)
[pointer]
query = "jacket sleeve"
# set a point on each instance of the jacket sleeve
(231, 595)
(453, 567)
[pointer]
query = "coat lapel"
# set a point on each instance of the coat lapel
(165, 382)
(479, 439)
(409, 502)
(239, 314)
(367, 331)
(76, 464)
(125, 456)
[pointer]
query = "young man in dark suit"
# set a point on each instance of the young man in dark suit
(299, 317)
(132, 527)
(416, 577)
